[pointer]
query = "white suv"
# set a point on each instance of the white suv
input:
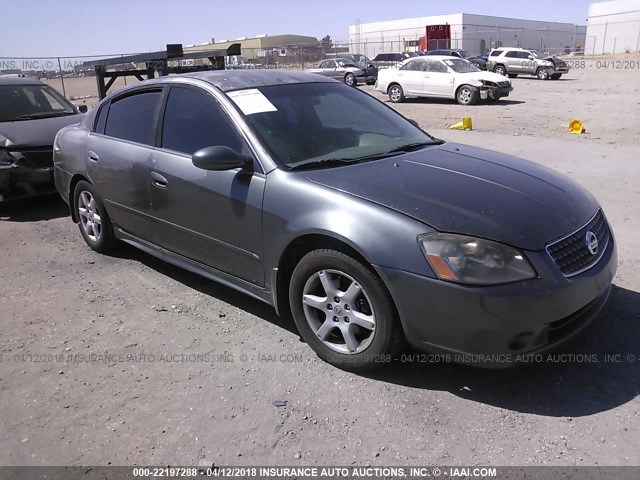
(518, 61)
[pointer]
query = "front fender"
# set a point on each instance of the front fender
(294, 206)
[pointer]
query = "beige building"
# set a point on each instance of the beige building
(261, 46)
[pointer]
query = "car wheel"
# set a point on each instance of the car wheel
(467, 95)
(344, 312)
(513, 75)
(556, 76)
(396, 94)
(542, 74)
(350, 79)
(93, 220)
(500, 70)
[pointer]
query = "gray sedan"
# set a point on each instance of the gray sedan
(339, 69)
(322, 201)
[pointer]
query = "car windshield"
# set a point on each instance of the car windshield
(315, 125)
(459, 65)
(28, 102)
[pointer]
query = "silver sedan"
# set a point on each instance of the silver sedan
(339, 70)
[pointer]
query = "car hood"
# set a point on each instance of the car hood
(461, 189)
(34, 133)
(480, 76)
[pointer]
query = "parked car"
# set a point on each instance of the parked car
(324, 202)
(517, 61)
(363, 63)
(480, 61)
(340, 69)
(448, 52)
(386, 60)
(31, 113)
(442, 77)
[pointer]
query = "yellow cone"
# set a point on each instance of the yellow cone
(576, 126)
(465, 124)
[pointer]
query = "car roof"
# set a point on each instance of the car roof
(227, 80)
(435, 57)
(18, 80)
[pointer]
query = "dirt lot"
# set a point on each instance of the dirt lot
(102, 358)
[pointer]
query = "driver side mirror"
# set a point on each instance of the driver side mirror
(530, 57)
(221, 158)
(413, 122)
(83, 108)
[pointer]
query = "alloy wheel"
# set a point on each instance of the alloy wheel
(339, 311)
(89, 216)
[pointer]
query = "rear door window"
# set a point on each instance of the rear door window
(134, 117)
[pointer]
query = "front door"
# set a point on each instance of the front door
(212, 217)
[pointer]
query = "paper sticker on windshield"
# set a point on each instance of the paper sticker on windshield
(252, 101)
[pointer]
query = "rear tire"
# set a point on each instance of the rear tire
(360, 331)
(467, 95)
(93, 220)
(500, 70)
(396, 94)
(350, 79)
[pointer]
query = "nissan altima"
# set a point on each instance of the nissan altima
(324, 202)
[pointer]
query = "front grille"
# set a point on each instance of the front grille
(571, 253)
(37, 157)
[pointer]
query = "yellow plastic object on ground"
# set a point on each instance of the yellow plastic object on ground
(465, 124)
(576, 126)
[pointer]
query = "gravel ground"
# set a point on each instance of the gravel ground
(125, 360)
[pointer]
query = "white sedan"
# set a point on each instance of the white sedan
(442, 77)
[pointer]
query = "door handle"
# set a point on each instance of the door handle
(93, 156)
(158, 180)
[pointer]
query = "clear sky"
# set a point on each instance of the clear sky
(90, 27)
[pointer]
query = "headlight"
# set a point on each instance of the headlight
(476, 261)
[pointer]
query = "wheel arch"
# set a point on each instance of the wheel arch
(72, 187)
(298, 248)
(391, 84)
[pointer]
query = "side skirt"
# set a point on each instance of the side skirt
(198, 268)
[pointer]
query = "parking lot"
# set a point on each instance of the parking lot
(124, 359)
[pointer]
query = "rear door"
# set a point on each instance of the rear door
(119, 154)
(212, 217)
(411, 76)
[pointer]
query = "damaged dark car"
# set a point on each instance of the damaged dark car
(31, 114)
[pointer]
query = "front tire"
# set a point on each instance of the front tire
(350, 79)
(467, 95)
(396, 94)
(93, 220)
(344, 312)
(556, 76)
(513, 75)
(542, 74)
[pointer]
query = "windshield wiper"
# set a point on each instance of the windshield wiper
(44, 115)
(326, 163)
(410, 147)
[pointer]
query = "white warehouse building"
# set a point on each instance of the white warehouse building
(613, 27)
(474, 33)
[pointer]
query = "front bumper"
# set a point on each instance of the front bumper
(476, 324)
(17, 181)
